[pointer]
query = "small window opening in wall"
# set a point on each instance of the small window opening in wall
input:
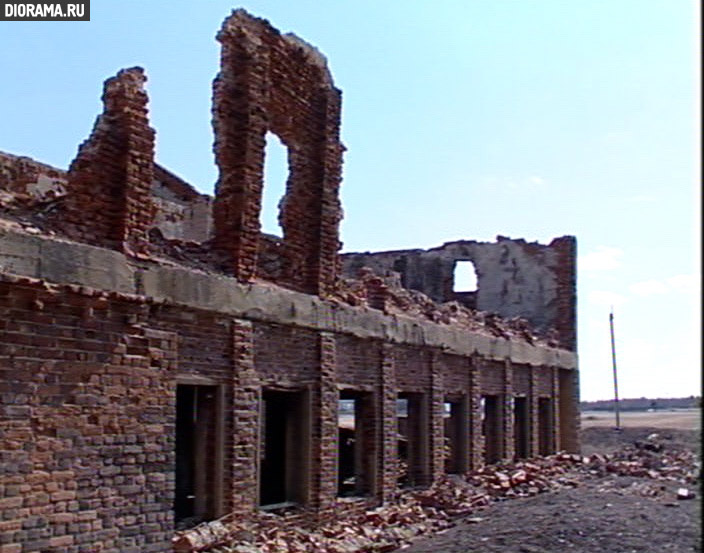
(275, 177)
(465, 277)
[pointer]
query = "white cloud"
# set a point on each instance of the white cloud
(649, 288)
(683, 283)
(605, 298)
(678, 283)
(605, 258)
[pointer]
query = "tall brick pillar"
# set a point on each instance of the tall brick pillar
(534, 432)
(108, 201)
(565, 270)
(388, 481)
(240, 125)
(325, 445)
(555, 414)
(568, 407)
(475, 415)
(507, 413)
(437, 423)
(246, 399)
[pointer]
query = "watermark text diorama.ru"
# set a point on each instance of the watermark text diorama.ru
(78, 10)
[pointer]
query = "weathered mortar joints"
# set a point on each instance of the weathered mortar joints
(270, 82)
(163, 363)
(113, 171)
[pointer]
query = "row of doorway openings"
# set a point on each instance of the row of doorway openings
(285, 444)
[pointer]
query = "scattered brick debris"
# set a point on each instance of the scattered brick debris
(450, 500)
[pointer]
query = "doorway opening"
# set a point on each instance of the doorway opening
(356, 444)
(455, 422)
(545, 426)
(284, 448)
(492, 428)
(521, 427)
(465, 277)
(196, 497)
(413, 439)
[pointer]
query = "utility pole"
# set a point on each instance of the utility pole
(613, 361)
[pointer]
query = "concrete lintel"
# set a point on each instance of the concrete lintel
(65, 262)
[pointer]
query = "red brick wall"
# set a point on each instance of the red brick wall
(108, 199)
(285, 355)
(87, 396)
(491, 377)
(412, 366)
(455, 374)
(358, 362)
(566, 279)
(87, 407)
(521, 379)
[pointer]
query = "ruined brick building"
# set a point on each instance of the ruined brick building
(162, 361)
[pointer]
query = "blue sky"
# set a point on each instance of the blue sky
(463, 120)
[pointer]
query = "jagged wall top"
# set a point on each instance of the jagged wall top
(240, 22)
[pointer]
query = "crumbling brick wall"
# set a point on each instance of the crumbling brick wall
(277, 83)
(514, 278)
(181, 212)
(85, 443)
(26, 185)
(113, 171)
(24, 177)
(97, 343)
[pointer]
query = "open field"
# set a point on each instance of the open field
(681, 419)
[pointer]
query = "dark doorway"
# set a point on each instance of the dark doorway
(196, 453)
(521, 428)
(455, 421)
(545, 426)
(492, 429)
(283, 475)
(356, 444)
(413, 439)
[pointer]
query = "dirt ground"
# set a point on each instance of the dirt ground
(611, 513)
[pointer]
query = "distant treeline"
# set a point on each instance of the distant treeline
(643, 403)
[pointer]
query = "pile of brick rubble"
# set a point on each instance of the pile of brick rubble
(396, 300)
(449, 500)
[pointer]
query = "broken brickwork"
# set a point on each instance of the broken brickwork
(112, 174)
(515, 279)
(277, 83)
(162, 362)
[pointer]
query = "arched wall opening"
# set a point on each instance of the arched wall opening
(276, 172)
(464, 277)
(465, 283)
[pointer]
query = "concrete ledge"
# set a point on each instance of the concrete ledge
(65, 262)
